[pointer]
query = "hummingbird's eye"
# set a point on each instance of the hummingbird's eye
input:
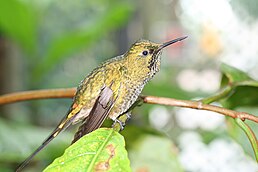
(145, 53)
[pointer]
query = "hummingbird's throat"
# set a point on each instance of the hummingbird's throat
(154, 63)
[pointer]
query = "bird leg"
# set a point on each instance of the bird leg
(121, 124)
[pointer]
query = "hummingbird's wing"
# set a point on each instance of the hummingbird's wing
(98, 113)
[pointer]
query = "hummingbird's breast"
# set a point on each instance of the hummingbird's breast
(130, 89)
(132, 83)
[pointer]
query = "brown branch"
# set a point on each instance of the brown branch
(69, 93)
(198, 105)
(37, 94)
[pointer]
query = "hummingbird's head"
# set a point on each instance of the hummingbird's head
(144, 56)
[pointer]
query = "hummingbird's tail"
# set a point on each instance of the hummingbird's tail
(63, 125)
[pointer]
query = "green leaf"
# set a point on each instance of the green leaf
(237, 89)
(250, 134)
(153, 153)
(72, 42)
(240, 90)
(243, 89)
(101, 150)
(236, 132)
(243, 96)
(234, 75)
(18, 21)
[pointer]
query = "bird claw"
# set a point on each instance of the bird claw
(128, 115)
(122, 124)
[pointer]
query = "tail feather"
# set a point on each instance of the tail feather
(27, 160)
(62, 126)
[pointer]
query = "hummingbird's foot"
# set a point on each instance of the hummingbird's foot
(128, 115)
(122, 124)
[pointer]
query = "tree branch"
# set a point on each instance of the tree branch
(198, 105)
(37, 94)
(69, 93)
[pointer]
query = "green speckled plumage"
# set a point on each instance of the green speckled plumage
(128, 73)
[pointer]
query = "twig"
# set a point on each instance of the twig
(37, 94)
(238, 116)
(198, 105)
(219, 95)
(69, 93)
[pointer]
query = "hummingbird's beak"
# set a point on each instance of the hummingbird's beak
(170, 42)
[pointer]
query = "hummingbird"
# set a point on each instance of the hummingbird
(110, 90)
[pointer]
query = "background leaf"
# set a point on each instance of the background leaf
(18, 20)
(244, 88)
(242, 97)
(233, 74)
(71, 42)
(153, 153)
(101, 150)
(19, 140)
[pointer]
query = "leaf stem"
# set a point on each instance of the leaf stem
(219, 95)
(250, 134)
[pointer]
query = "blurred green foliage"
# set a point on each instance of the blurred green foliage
(18, 140)
(21, 21)
(67, 43)
(152, 153)
(249, 7)
(18, 20)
